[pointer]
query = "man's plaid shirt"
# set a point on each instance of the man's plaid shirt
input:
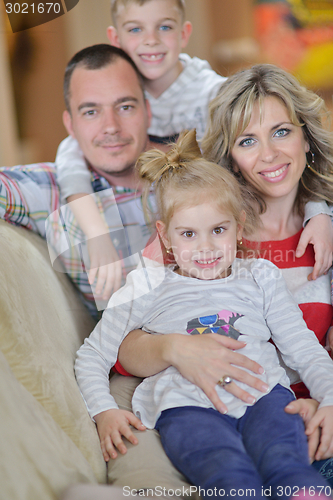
(30, 197)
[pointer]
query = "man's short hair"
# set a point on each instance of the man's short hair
(95, 57)
(115, 4)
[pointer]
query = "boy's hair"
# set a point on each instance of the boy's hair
(115, 4)
(231, 110)
(92, 58)
(183, 178)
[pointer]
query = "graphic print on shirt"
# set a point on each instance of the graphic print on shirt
(221, 323)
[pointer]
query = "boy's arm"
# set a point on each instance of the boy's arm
(75, 183)
(104, 259)
(111, 426)
(72, 171)
(318, 232)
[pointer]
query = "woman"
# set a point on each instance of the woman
(267, 130)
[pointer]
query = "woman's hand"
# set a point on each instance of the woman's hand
(201, 359)
(205, 359)
(319, 233)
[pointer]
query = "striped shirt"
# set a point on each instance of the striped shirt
(253, 304)
(313, 297)
(30, 197)
(184, 105)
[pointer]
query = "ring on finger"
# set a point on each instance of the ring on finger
(225, 380)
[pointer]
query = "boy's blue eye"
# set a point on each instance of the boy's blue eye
(165, 28)
(135, 30)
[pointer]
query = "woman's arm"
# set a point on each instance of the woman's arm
(201, 359)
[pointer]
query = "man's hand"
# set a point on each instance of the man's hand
(111, 425)
(322, 421)
(319, 233)
(307, 408)
(105, 265)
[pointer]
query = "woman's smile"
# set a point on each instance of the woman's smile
(275, 173)
(271, 152)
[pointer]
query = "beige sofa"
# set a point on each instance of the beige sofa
(48, 440)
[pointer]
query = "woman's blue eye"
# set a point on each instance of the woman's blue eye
(282, 132)
(247, 142)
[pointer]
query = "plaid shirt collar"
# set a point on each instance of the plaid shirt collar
(99, 183)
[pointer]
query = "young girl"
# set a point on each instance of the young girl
(256, 445)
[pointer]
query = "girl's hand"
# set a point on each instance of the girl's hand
(105, 265)
(111, 425)
(205, 359)
(322, 422)
(319, 233)
(307, 408)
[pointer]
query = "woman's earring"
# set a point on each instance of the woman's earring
(168, 250)
(240, 242)
(312, 162)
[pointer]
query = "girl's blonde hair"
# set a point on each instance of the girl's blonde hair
(183, 178)
(230, 113)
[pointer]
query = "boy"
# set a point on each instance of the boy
(178, 87)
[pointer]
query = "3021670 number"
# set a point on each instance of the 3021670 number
(33, 8)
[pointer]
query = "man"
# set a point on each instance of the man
(108, 115)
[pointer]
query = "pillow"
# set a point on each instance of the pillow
(37, 460)
(42, 324)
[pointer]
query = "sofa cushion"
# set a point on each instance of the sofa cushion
(42, 324)
(38, 460)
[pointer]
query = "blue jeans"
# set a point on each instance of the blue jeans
(325, 469)
(265, 450)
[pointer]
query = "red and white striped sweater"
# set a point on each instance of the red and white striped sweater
(313, 297)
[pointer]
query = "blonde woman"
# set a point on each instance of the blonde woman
(268, 131)
(202, 214)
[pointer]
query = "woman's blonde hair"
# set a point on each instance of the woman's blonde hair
(230, 113)
(183, 178)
